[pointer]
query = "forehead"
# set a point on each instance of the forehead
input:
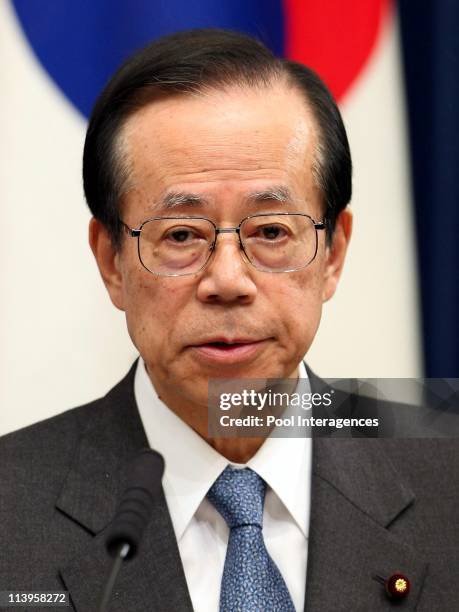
(218, 144)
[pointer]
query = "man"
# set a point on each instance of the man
(219, 177)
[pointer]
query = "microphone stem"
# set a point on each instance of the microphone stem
(117, 563)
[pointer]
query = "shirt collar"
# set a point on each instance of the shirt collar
(192, 465)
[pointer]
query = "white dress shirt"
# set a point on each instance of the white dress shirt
(192, 466)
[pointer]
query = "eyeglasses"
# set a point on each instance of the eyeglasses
(271, 242)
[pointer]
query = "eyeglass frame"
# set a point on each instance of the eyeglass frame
(136, 232)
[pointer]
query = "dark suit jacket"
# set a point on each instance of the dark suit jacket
(377, 506)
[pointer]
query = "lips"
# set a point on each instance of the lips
(228, 351)
(225, 345)
(224, 341)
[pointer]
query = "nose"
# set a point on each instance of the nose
(227, 277)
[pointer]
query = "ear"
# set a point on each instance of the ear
(108, 261)
(336, 253)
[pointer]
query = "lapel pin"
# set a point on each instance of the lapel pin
(397, 585)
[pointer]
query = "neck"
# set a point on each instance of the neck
(235, 449)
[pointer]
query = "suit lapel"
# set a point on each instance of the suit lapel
(360, 525)
(154, 581)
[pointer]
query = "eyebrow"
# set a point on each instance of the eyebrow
(173, 199)
(180, 198)
(279, 193)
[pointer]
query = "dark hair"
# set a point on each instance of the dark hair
(192, 61)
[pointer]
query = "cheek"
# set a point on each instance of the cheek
(145, 311)
(155, 313)
(299, 304)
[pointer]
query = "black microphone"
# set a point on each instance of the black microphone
(133, 513)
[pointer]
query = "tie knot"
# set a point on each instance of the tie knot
(239, 495)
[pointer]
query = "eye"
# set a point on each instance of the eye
(182, 235)
(271, 232)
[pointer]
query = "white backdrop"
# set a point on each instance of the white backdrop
(61, 341)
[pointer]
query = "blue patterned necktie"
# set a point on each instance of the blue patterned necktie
(251, 581)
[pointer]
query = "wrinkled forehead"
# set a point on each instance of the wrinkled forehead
(232, 140)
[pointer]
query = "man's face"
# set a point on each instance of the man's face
(220, 147)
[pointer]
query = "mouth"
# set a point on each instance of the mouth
(226, 351)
